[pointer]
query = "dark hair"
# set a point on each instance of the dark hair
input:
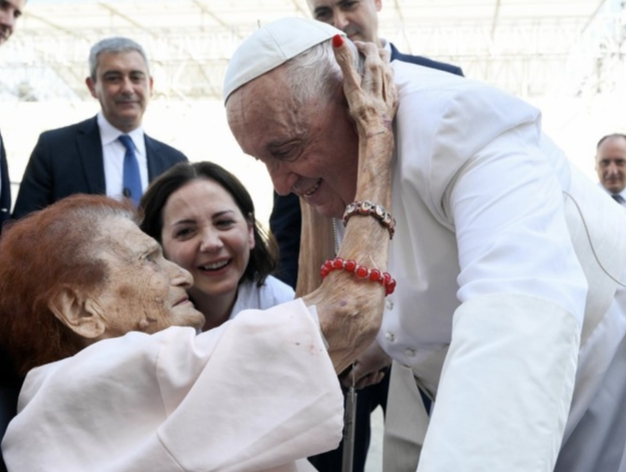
(264, 255)
(42, 254)
(610, 136)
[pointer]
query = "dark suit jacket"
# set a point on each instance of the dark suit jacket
(10, 382)
(285, 220)
(424, 61)
(69, 160)
(5, 196)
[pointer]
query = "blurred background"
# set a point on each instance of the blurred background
(564, 56)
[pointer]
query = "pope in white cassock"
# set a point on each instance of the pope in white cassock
(510, 308)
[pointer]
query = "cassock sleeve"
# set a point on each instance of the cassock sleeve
(508, 378)
(256, 393)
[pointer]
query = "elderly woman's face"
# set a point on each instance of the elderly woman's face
(144, 291)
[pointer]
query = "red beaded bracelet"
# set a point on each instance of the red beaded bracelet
(367, 208)
(360, 271)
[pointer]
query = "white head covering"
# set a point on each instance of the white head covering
(272, 46)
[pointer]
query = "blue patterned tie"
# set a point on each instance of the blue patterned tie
(132, 178)
(618, 198)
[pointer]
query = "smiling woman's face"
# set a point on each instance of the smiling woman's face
(143, 291)
(205, 232)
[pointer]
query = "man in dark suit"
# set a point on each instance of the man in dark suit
(5, 187)
(10, 11)
(10, 382)
(359, 20)
(90, 156)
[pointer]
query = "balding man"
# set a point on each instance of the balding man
(510, 305)
(611, 165)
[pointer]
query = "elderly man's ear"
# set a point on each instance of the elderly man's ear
(77, 312)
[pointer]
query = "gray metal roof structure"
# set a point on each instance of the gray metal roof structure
(531, 48)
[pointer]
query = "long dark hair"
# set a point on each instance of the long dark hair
(264, 255)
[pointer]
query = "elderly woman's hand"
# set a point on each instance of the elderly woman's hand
(373, 102)
(369, 368)
(371, 94)
(350, 309)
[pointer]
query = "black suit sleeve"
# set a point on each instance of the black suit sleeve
(5, 195)
(424, 61)
(36, 187)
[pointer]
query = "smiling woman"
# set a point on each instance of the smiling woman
(205, 220)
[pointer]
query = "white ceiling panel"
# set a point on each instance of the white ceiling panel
(190, 41)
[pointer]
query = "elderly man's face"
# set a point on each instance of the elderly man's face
(10, 11)
(357, 18)
(611, 164)
(310, 150)
(144, 291)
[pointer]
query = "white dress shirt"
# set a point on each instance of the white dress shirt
(113, 154)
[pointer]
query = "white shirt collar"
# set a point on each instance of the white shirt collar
(109, 133)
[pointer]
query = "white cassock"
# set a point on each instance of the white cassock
(507, 307)
(259, 393)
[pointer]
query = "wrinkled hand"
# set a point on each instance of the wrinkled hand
(368, 369)
(372, 97)
(350, 309)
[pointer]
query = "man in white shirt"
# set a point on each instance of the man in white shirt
(611, 165)
(92, 156)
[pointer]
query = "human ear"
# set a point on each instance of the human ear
(78, 313)
(91, 86)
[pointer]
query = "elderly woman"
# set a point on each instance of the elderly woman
(119, 378)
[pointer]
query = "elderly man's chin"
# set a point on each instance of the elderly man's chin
(328, 211)
(331, 208)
